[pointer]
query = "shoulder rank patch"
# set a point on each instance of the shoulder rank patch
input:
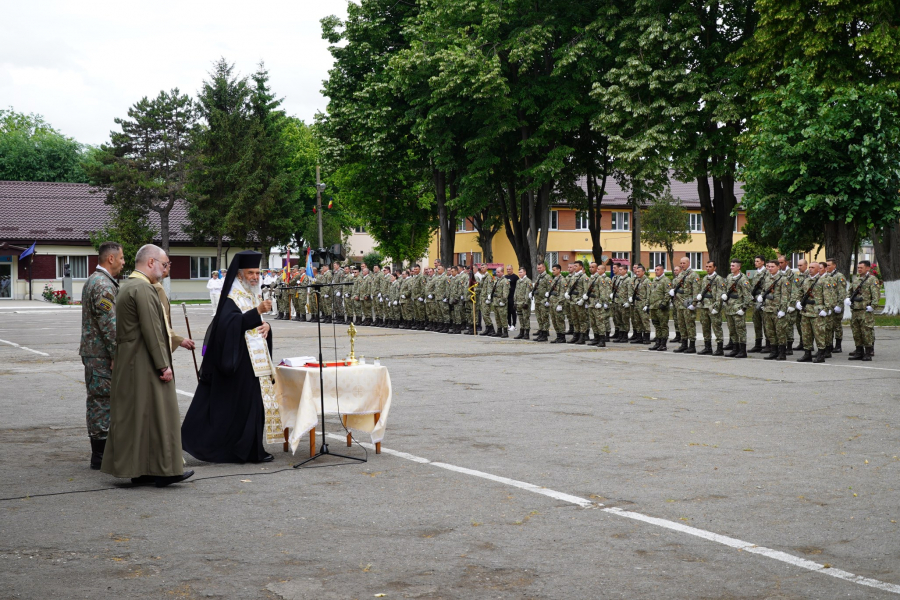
(105, 305)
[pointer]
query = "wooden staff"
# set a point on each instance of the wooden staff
(193, 351)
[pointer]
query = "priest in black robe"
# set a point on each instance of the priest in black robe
(226, 419)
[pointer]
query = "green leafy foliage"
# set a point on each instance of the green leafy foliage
(745, 250)
(32, 150)
(665, 224)
(129, 228)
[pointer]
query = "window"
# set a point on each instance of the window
(202, 266)
(551, 258)
(695, 223)
(461, 225)
(476, 258)
(622, 255)
(736, 229)
(621, 221)
(77, 266)
(657, 258)
(462, 258)
(796, 258)
(554, 220)
(581, 221)
(696, 259)
(359, 229)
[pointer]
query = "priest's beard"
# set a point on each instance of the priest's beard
(256, 290)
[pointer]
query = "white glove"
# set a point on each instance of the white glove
(847, 302)
(605, 305)
(691, 307)
(326, 295)
(611, 296)
(431, 296)
(646, 309)
(546, 304)
(790, 309)
(625, 305)
(489, 299)
(546, 294)
(501, 304)
(559, 308)
(420, 299)
(700, 297)
(713, 311)
(567, 296)
(671, 293)
(837, 309)
(530, 295)
(381, 300)
(580, 302)
(461, 297)
(740, 312)
(829, 312)
(585, 297)
(798, 305)
(725, 297)
(822, 313)
(403, 296)
(870, 309)
(759, 298)
(445, 299)
(338, 294)
(598, 305)
(395, 303)
(780, 314)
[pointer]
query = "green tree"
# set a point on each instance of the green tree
(145, 165)
(370, 259)
(745, 250)
(817, 156)
(215, 174)
(32, 150)
(665, 224)
(129, 228)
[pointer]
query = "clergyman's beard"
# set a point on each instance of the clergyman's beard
(256, 290)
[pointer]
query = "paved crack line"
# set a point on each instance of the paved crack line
(24, 348)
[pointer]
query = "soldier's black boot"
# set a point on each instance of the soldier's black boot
(646, 339)
(488, 330)
(623, 337)
(504, 332)
(767, 347)
(828, 351)
(682, 348)
(520, 335)
(570, 331)
(807, 356)
(757, 347)
(870, 352)
(662, 345)
(543, 336)
(279, 316)
(615, 336)
(527, 335)
(837, 346)
(692, 347)
(819, 357)
(773, 354)
(637, 338)
(719, 350)
(582, 339)
(735, 349)
(788, 349)
(799, 346)
(655, 345)
(729, 346)
(782, 352)
(857, 354)
(676, 339)
(303, 318)
(297, 318)
(707, 349)
(97, 449)
(593, 341)
(560, 339)
(743, 352)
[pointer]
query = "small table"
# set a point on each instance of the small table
(361, 392)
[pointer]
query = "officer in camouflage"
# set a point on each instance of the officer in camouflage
(759, 278)
(554, 300)
(736, 300)
(801, 273)
(98, 343)
(836, 336)
(709, 307)
(621, 304)
(522, 299)
(658, 303)
(598, 304)
(640, 305)
(773, 302)
(542, 284)
(786, 324)
(685, 288)
(576, 289)
(862, 300)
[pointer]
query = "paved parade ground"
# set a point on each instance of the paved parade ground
(510, 469)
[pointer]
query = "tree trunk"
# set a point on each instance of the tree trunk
(595, 204)
(446, 218)
(716, 207)
(839, 238)
(887, 254)
(636, 232)
(164, 229)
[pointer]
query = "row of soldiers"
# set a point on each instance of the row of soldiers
(810, 299)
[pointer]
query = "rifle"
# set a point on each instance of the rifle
(615, 289)
(771, 289)
(636, 288)
(858, 289)
(733, 288)
(805, 299)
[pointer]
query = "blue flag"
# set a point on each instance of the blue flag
(309, 267)
(28, 252)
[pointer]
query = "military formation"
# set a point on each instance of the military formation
(624, 305)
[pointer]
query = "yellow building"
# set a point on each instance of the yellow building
(569, 238)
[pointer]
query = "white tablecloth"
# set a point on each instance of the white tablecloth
(357, 392)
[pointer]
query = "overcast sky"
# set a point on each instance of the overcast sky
(82, 63)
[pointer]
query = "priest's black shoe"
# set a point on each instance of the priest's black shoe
(143, 480)
(164, 481)
(266, 458)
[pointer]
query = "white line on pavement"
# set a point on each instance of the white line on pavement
(671, 525)
(24, 348)
(183, 393)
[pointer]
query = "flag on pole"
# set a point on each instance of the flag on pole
(285, 272)
(309, 267)
(28, 252)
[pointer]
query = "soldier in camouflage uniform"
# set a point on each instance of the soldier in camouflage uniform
(98, 343)
(837, 329)
(407, 314)
(523, 295)
(280, 296)
(736, 301)
(442, 300)
(685, 288)
(863, 298)
(299, 294)
(809, 301)
(674, 310)
(484, 305)
(418, 297)
(756, 284)
(801, 273)
(597, 296)
(576, 288)
(640, 306)
(621, 304)
(541, 304)
(463, 305)
(555, 300)
(658, 306)
(786, 324)
(499, 297)
(773, 300)
(337, 293)
(709, 307)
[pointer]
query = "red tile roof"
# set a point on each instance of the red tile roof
(64, 213)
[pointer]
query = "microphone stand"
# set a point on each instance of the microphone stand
(324, 451)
